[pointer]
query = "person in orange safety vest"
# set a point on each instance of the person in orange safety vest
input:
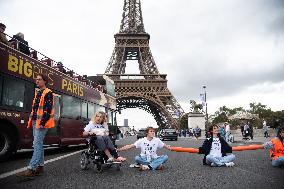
(276, 147)
(41, 119)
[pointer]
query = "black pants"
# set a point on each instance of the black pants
(266, 134)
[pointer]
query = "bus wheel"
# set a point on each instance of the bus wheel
(7, 144)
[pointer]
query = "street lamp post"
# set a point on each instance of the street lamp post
(206, 114)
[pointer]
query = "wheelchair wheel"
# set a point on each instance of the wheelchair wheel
(99, 167)
(84, 161)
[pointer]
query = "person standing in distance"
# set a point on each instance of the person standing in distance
(41, 119)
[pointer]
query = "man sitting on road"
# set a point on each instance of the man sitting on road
(148, 159)
(215, 149)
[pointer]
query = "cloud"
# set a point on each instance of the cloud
(233, 47)
(228, 47)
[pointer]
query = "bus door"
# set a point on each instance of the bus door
(53, 135)
(72, 125)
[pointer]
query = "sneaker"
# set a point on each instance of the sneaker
(230, 164)
(28, 174)
(120, 159)
(39, 171)
(144, 168)
(134, 165)
(213, 165)
(110, 160)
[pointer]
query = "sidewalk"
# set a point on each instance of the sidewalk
(258, 136)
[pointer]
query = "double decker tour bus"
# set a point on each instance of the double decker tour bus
(76, 99)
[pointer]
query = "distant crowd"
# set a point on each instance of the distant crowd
(191, 132)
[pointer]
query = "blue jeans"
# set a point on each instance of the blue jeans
(38, 154)
(278, 162)
(154, 163)
(219, 161)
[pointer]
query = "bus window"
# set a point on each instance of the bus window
(91, 110)
(109, 116)
(29, 96)
(99, 108)
(55, 130)
(13, 92)
(84, 110)
(71, 107)
(56, 107)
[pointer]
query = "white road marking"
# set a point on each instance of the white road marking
(4, 175)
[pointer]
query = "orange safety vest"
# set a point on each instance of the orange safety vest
(277, 150)
(50, 121)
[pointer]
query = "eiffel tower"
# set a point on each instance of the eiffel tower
(147, 90)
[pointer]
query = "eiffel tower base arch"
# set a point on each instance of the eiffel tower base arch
(149, 94)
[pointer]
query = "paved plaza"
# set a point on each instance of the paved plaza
(183, 170)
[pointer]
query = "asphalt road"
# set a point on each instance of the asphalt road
(183, 170)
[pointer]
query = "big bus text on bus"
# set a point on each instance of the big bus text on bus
(76, 99)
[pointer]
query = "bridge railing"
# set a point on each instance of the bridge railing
(38, 56)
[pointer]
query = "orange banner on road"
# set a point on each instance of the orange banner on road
(189, 150)
(250, 147)
(235, 148)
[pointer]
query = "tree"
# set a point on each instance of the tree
(221, 117)
(184, 121)
(263, 111)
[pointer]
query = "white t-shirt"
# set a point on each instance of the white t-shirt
(149, 148)
(98, 129)
(216, 148)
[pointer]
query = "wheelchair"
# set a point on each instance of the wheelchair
(96, 157)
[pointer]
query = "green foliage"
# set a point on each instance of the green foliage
(222, 117)
(184, 121)
(263, 111)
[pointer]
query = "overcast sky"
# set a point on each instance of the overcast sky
(234, 47)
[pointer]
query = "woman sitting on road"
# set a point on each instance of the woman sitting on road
(276, 147)
(97, 127)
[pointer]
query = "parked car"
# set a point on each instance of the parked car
(168, 134)
(141, 133)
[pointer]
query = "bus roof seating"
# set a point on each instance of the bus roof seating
(34, 54)
(84, 79)
(70, 73)
(59, 66)
(78, 77)
(47, 61)
(14, 44)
